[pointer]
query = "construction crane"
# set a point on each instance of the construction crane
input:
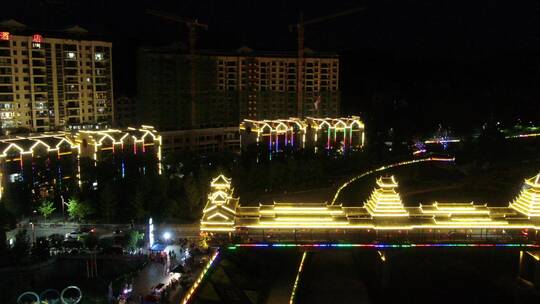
(300, 61)
(192, 25)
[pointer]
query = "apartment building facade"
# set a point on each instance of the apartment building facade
(48, 83)
(267, 84)
(232, 86)
(202, 141)
(125, 113)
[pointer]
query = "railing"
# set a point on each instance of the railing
(496, 236)
(382, 246)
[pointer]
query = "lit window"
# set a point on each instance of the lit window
(99, 56)
(37, 38)
(71, 55)
(15, 177)
(4, 35)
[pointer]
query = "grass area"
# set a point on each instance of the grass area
(428, 182)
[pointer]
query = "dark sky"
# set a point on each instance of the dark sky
(459, 60)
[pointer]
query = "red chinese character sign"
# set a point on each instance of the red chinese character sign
(4, 35)
(37, 38)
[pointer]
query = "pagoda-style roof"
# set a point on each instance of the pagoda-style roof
(221, 182)
(384, 200)
(528, 200)
(387, 182)
(220, 210)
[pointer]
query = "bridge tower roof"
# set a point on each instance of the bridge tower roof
(220, 209)
(385, 200)
(221, 182)
(528, 200)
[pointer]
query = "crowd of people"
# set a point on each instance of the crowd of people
(178, 261)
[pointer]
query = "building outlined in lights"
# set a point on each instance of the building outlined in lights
(382, 211)
(51, 160)
(295, 133)
(48, 83)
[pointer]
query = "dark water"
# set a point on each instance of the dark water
(361, 276)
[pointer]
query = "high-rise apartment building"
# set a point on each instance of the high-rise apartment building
(125, 114)
(48, 83)
(232, 86)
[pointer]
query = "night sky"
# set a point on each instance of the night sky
(460, 63)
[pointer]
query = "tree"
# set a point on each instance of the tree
(77, 210)
(133, 240)
(108, 203)
(46, 208)
(193, 195)
(21, 248)
(7, 222)
(17, 199)
(138, 210)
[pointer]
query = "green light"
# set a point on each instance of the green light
(232, 247)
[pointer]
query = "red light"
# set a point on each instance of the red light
(4, 35)
(37, 38)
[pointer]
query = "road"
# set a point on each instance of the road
(189, 231)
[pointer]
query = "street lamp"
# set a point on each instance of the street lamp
(150, 232)
(167, 236)
(33, 232)
(63, 211)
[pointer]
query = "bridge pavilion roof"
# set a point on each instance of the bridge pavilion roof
(283, 216)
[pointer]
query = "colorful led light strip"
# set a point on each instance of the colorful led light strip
(419, 151)
(297, 280)
(378, 246)
(442, 141)
(523, 135)
(196, 284)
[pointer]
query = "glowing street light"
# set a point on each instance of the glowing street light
(167, 236)
(151, 232)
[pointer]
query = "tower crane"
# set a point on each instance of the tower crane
(300, 61)
(192, 25)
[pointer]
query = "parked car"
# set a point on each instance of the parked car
(75, 235)
(118, 230)
(56, 240)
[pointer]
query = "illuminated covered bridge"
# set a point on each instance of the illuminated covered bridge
(382, 216)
